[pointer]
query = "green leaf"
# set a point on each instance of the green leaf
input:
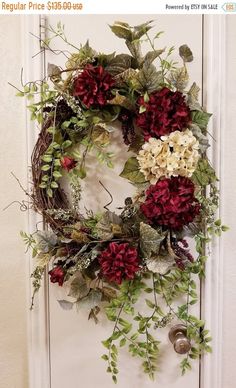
(127, 328)
(146, 97)
(150, 304)
(142, 109)
(66, 143)
(218, 222)
(122, 342)
(82, 173)
(105, 357)
(49, 192)
(20, 94)
(106, 343)
(204, 173)
(47, 158)
(185, 53)
(224, 228)
(201, 118)
(116, 335)
(45, 167)
(57, 174)
(132, 172)
(43, 185)
(45, 178)
(54, 185)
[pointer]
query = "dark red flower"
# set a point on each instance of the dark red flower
(171, 202)
(68, 163)
(119, 262)
(93, 86)
(127, 126)
(166, 112)
(57, 275)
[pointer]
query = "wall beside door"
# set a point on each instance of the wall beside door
(13, 262)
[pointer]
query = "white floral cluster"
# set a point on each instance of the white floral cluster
(172, 155)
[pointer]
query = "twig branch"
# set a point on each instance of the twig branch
(111, 197)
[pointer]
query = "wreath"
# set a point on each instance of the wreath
(111, 261)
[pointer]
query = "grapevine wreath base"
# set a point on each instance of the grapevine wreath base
(111, 261)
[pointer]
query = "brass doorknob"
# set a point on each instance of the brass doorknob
(178, 337)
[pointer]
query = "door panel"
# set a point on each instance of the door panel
(75, 342)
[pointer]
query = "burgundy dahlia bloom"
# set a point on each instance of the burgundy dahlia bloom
(93, 86)
(57, 275)
(171, 203)
(166, 112)
(119, 262)
(68, 163)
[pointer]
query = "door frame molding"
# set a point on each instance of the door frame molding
(214, 66)
(38, 318)
(214, 97)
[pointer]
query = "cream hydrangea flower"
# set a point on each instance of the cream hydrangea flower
(172, 155)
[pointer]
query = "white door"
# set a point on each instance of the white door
(75, 342)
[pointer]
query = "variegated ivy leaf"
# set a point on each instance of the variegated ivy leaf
(93, 314)
(122, 30)
(42, 259)
(203, 140)
(86, 54)
(135, 50)
(119, 64)
(186, 53)
(93, 299)
(46, 240)
(191, 229)
(108, 293)
(108, 225)
(142, 29)
(150, 240)
(121, 101)
(79, 287)
(160, 264)
(53, 70)
(179, 78)
(127, 76)
(148, 78)
(100, 136)
(152, 55)
(192, 97)
(65, 304)
(132, 171)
